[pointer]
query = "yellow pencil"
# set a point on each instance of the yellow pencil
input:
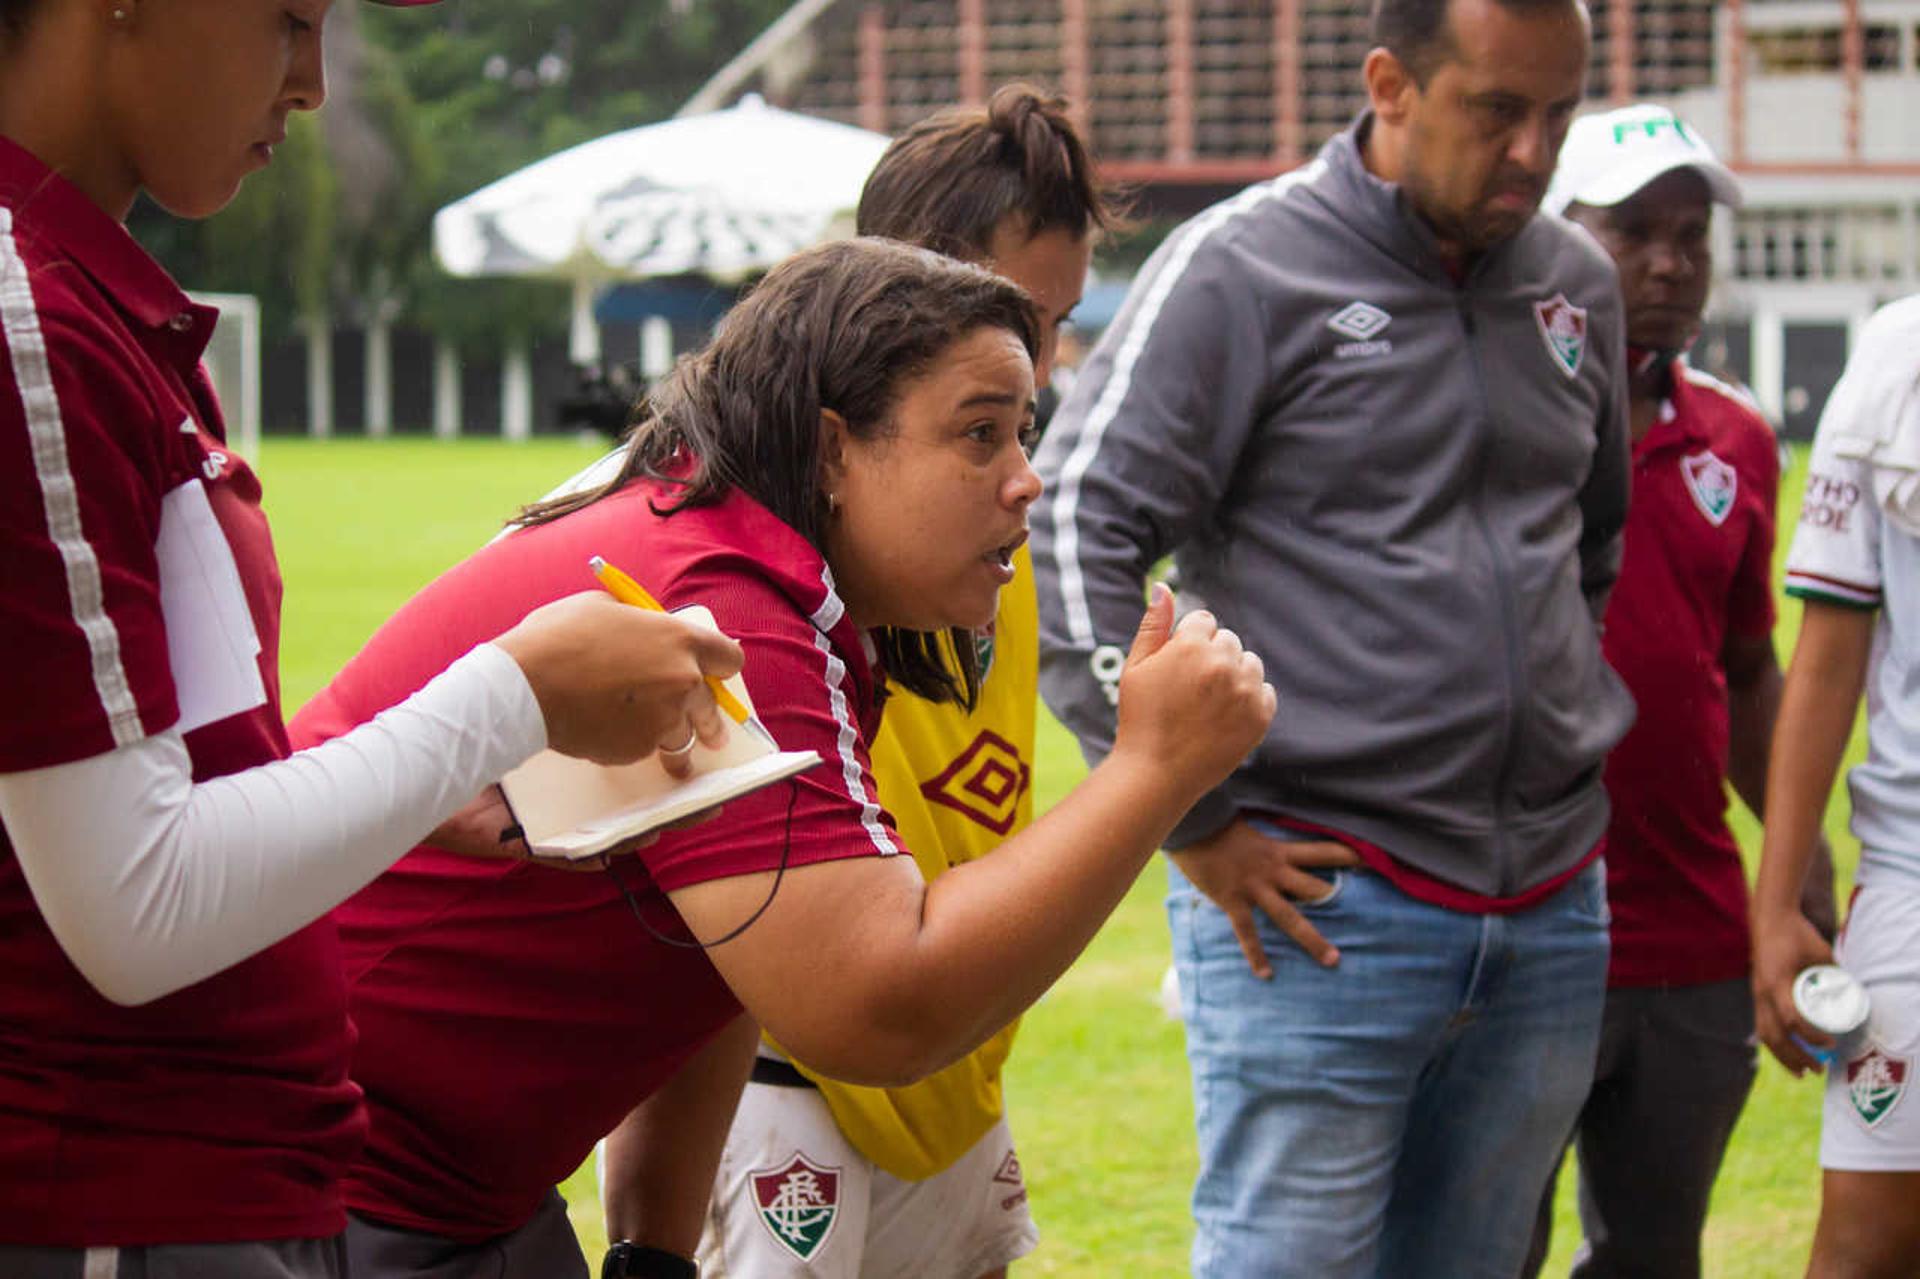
(628, 591)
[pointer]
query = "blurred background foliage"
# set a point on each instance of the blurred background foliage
(425, 106)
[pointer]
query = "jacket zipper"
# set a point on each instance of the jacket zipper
(1503, 580)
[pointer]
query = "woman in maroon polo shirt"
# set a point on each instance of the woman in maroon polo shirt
(173, 1034)
(839, 477)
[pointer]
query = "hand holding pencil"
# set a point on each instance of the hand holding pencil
(627, 591)
(616, 683)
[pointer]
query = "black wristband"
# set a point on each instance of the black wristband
(629, 1260)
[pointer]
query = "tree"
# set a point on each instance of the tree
(425, 106)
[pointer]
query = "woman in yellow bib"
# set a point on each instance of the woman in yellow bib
(824, 1179)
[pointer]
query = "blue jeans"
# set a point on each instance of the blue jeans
(1398, 1115)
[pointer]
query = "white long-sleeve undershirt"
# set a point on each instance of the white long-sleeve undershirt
(150, 882)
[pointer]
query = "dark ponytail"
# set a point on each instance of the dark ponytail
(949, 182)
(844, 326)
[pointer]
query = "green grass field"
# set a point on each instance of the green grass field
(1098, 1086)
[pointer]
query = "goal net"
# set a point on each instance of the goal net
(233, 361)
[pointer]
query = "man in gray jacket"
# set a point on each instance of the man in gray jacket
(1376, 410)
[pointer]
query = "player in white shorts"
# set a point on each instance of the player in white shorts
(796, 1199)
(1855, 561)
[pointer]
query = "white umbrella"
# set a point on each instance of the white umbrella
(677, 232)
(722, 194)
(725, 193)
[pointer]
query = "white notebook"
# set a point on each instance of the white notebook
(573, 809)
(212, 648)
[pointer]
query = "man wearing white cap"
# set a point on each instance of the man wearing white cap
(1689, 629)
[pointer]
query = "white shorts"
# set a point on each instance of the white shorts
(1871, 1123)
(795, 1200)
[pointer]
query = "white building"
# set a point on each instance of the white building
(1816, 104)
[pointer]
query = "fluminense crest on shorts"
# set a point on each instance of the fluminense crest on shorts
(1563, 327)
(798, 1203)
(1713, 484)
(1875, 1084)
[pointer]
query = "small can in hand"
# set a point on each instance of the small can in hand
(1833, 1002)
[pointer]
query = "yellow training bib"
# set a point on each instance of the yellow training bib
(958, 785)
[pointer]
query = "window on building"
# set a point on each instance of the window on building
(1672, 42)
(1843, 244)
(1233, 74)
(1883, 53)
(1822, 50)
(1795, 50)
(1333, 43)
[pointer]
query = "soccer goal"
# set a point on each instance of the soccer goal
(233, 361)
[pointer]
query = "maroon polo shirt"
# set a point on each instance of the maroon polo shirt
(222, 1112)
(511, 1014)
(1698, 559)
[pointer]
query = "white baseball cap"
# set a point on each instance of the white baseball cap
(1609, 157)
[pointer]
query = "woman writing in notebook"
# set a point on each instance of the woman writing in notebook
(173, 1031)
(839, 478)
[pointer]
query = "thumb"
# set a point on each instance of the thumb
(1155, 626)
(716, 653)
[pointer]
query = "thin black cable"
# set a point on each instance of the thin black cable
(786, 849)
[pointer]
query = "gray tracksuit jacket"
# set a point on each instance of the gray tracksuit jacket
(1405, 494)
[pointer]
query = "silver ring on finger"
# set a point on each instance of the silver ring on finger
(684, 748)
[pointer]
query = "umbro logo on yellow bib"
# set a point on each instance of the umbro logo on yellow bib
(985, 782)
